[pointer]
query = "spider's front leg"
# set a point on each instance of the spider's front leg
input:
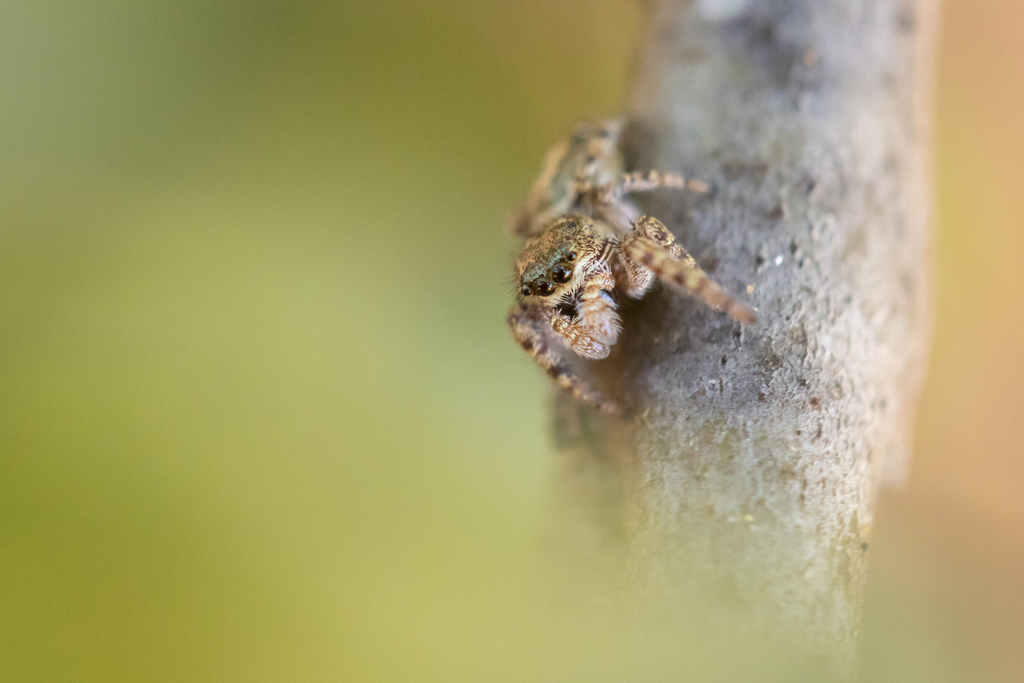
(533, 329)
(651, 246)
(597, 327)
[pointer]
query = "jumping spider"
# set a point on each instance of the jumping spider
(585, 240)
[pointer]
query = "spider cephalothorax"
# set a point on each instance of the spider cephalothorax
(566, 272)
(585, 242)
(556, 261)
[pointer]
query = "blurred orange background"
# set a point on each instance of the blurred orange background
(946, 579)
(260, 418)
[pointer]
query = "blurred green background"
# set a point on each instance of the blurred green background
(260, 418)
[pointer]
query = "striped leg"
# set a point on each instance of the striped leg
(652, 246)
(598, 310)
(597, 328)
(532, 329)
(634, 279)
(611, 205)
(652, 180)
(597, 142)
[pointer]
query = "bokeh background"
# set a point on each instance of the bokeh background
(260, 419)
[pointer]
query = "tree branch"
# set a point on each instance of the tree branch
(741, 490)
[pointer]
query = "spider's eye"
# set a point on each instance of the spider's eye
(525, 289)
(561, 274)
(544, 288)
(571, 256)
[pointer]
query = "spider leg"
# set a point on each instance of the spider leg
(599, 145)
(633, 278)
(598, 310)
(597, 328)
(652, 180)
(571, 169)
(532, 329)
(652, 246)
(537, 209)
(610, 203)
(579, 338)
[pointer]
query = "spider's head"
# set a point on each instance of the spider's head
(552, 264)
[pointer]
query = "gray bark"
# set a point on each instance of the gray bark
(738, 493)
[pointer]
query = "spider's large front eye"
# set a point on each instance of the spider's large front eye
(525, 289)
(544, 288)
(561, 274)
(571, 256)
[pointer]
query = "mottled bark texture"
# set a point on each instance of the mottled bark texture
(740, 488)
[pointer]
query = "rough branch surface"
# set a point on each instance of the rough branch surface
(742, 487)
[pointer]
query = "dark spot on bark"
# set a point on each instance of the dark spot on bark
(760, 396)
(767, 358)
(710, 264)
(691, 54)
(757, 170)
(793, 247)
(799, 433)
(723, 361)
(797, 336)
(758, 261)
(762, 32)
(774, 52)
(815, 403)
(737, 332)
(776, 212)
(636, 143)
(807, 184)
(733, 169)
(817, 434)
(906, 19)
(864, 547)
